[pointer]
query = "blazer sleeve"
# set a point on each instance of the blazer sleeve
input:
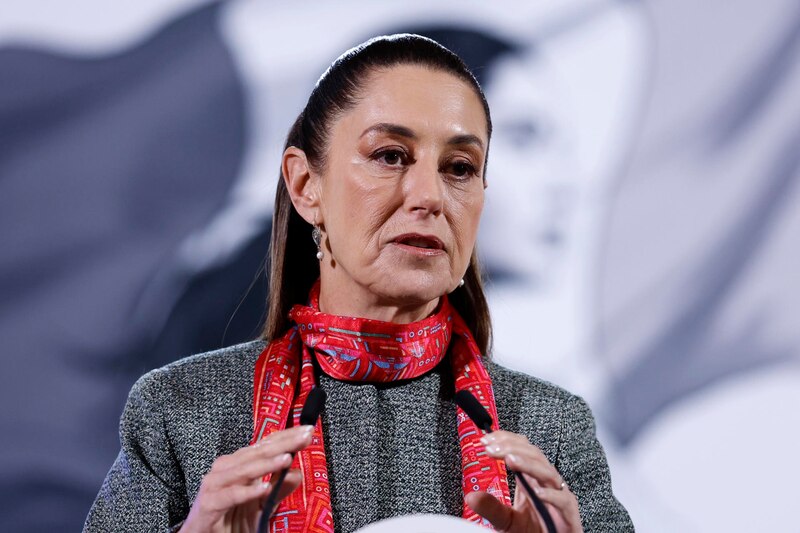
(144, 490)
(582, 463)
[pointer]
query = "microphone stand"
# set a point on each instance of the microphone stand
(478, 414)
(308, 417)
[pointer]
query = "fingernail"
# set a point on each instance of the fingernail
(285, 458)
(494, 449)
(511, 457)
(265, 485)
(308, 430)
(486, 439)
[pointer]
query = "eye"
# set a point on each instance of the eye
(391, 157)
(462, 169)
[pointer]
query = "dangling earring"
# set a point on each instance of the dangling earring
(461, 283)
(316, 234)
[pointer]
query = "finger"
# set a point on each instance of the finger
(277, 436)
(522, 456)
(523, 504)
(275, 444)
(534, 467)
(222, 500)
(288, 441)
(564, 501)
(247, 472)
(527, 458)
(511, 443)
(235, 495)
(505, 441)
(504, 437)
(253, 462)
(293, 480)
(491, 509)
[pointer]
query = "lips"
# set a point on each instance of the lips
(422, 242)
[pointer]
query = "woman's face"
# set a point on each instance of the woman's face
(402, 191)
(534, 173)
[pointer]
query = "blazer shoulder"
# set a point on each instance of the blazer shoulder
(536, 408)
(509, 383)
(226, 367)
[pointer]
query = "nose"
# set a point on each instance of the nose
(423, 189)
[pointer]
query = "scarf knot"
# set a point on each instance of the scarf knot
(364, 350)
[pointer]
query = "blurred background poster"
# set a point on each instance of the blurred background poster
(643, 216)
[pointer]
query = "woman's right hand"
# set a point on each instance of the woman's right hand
(231, 494)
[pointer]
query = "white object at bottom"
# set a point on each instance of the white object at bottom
(422, 523)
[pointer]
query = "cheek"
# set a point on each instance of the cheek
(467, 216)
(361, 212)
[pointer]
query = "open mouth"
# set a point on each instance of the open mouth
(424, 244)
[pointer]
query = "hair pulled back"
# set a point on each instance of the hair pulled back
(293, 267)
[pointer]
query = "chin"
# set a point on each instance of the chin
(415, 287)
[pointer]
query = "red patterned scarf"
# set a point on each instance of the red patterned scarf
(358, 349)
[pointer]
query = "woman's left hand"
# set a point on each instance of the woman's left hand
(526, 459)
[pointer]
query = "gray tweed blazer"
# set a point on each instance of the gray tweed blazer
(392, 448)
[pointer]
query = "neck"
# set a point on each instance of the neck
(335, 300)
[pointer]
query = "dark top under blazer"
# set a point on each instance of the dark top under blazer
(392, 448)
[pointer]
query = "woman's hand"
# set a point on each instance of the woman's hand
(528, 460)
(231, 494)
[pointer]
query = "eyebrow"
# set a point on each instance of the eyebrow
(467, 138)
(403, 131)
(393, 129)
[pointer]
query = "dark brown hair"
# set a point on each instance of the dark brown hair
(293, 267)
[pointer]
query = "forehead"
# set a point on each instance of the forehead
(429, 101)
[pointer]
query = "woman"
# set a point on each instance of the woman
(383, 182)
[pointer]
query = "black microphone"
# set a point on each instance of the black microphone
(308, 417)
(313, 407)
(478, 414)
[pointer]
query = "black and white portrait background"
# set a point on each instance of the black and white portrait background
(640, 234)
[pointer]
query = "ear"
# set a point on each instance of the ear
(302, 188)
